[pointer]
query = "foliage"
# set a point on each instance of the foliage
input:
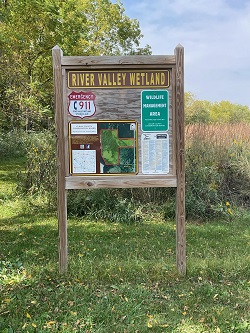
(11, 272)
(217, 169)
(199, 111)
(196, 111)
(121, 278)
(40, 174)
(39, 179)
(12, 144)
(30, 29)
(217, 173)
(103, 204)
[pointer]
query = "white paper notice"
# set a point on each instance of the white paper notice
(84, 161)
(155, 153)
(84, 128)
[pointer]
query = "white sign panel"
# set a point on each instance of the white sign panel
(80, 128)
(84, 161)
(155, 153)
(82, 104)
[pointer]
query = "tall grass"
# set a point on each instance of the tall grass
(217, 168)
(217, 134)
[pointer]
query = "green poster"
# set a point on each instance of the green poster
(154, 110)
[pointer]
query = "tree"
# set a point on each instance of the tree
(226, 112)
(198, 111)
(29, 29)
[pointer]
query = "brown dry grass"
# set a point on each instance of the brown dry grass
(218, 134)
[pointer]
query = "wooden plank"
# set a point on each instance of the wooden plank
(61, 192)
(88, 182)
(180, 163)
(119, 67)
(118, 60)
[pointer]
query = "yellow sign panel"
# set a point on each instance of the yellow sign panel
(119, 79)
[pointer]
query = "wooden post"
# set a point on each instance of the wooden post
(61, 171)
(180, 163)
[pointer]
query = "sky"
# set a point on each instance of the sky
(215, 35)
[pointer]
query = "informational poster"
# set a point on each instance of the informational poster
(154, 110)
(103, 147)
(155, 153)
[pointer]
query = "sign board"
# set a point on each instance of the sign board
(154, 110)
(119, 79)
(120, 124)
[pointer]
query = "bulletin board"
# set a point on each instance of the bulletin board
(120, 124)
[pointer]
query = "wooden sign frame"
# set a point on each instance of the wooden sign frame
(117, 83)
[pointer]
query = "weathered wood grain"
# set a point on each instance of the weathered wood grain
(118, 60)
(180, 163)
(88, 182)
(61, 191)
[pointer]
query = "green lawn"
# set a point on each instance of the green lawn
(121, 278)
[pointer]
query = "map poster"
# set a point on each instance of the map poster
(85, 161)
(103, 147)
(155, 153)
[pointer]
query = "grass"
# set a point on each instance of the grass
(121, 278)
(217, 169)
(218, 134)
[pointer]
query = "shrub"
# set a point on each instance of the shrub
(104, 204)
(40, 174)
(217, 178)
(12, 144)
(236, 173)
(40, 179)
(217, 169)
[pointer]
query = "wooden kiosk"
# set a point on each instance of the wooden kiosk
(120, 124)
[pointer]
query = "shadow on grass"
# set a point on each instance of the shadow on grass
(28, 237)
(116, 266)
(97, 250)
(101, 248)
(10, 168)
